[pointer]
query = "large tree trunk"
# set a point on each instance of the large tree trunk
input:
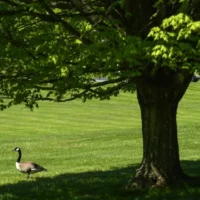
(158, 99)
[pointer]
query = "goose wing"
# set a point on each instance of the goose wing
(37, 167)
(31, 167)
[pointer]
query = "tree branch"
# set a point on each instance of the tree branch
(64, 23)
(77, 96)
(10, 2)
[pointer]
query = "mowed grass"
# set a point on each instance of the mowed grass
(90, 149)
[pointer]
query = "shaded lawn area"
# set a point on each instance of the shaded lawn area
(96, 185)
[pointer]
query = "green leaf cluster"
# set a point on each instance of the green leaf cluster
(176, 43)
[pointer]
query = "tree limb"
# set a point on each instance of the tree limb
(64, 23)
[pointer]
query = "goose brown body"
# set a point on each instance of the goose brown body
(27, 167)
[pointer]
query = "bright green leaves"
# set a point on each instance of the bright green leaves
(53, 59)
(158, 34)
(176, 22)
(176, 43)
(190, 32)
(160, 51)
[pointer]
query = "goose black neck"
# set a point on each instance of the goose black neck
(19, 157)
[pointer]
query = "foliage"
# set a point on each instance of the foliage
(176, 43)
(52, 53)
(55, 50)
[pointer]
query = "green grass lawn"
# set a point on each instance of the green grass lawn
(90, 149)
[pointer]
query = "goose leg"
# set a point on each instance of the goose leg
(28, 175)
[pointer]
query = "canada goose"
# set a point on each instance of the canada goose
(27, 167)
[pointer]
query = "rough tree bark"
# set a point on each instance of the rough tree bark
(158, 99)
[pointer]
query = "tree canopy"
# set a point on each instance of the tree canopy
(53, 50)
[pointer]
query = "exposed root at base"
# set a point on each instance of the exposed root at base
(149, 177)
(146, 182)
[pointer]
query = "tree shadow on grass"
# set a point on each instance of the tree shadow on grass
(97, 185)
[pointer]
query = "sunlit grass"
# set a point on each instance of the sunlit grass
(90, 149)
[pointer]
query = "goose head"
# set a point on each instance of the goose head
(16, 149)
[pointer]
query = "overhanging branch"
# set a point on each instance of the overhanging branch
(66, 25)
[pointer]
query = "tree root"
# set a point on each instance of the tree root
(145, 183)
(147, 177)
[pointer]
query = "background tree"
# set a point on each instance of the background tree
(53, 50)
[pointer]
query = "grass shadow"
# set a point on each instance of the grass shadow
(96, 185)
